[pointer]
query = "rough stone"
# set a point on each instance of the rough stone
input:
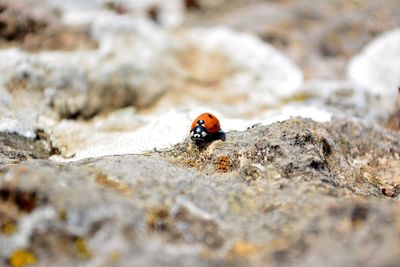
(127, 188)
(15, 148)
(285, 192)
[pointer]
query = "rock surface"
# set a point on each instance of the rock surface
(15, 148)
(269, 196)
(96, 166)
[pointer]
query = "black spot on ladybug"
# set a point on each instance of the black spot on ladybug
(210, 116)
(215, 125)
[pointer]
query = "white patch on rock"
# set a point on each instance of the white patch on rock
(160, 131)
(377, 67)
(13, 125)
(252, 67)
(15, 118)
(312, 112)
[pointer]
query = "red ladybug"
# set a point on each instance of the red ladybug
(206, 127)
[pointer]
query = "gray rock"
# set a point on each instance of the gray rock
(15, 148)
(275, 195)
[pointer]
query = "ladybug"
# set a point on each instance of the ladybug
(205, 128)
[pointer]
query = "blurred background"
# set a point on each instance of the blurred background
(108, 73)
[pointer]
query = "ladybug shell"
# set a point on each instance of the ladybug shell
(211, 123)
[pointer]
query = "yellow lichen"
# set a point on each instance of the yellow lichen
(22, 258)
(8, 228)
(105, 181)
(62, 214)
(222, 164)
(243, 248)
(82, 248)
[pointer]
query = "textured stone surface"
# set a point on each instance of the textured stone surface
(86, 182)
(269, 196)
(15, 148)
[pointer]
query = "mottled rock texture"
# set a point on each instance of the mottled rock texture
(15, 148)
(276, 195)
(293, 193)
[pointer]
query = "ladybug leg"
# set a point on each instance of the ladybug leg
(216, 136)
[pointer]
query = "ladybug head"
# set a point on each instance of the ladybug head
(199, 132)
